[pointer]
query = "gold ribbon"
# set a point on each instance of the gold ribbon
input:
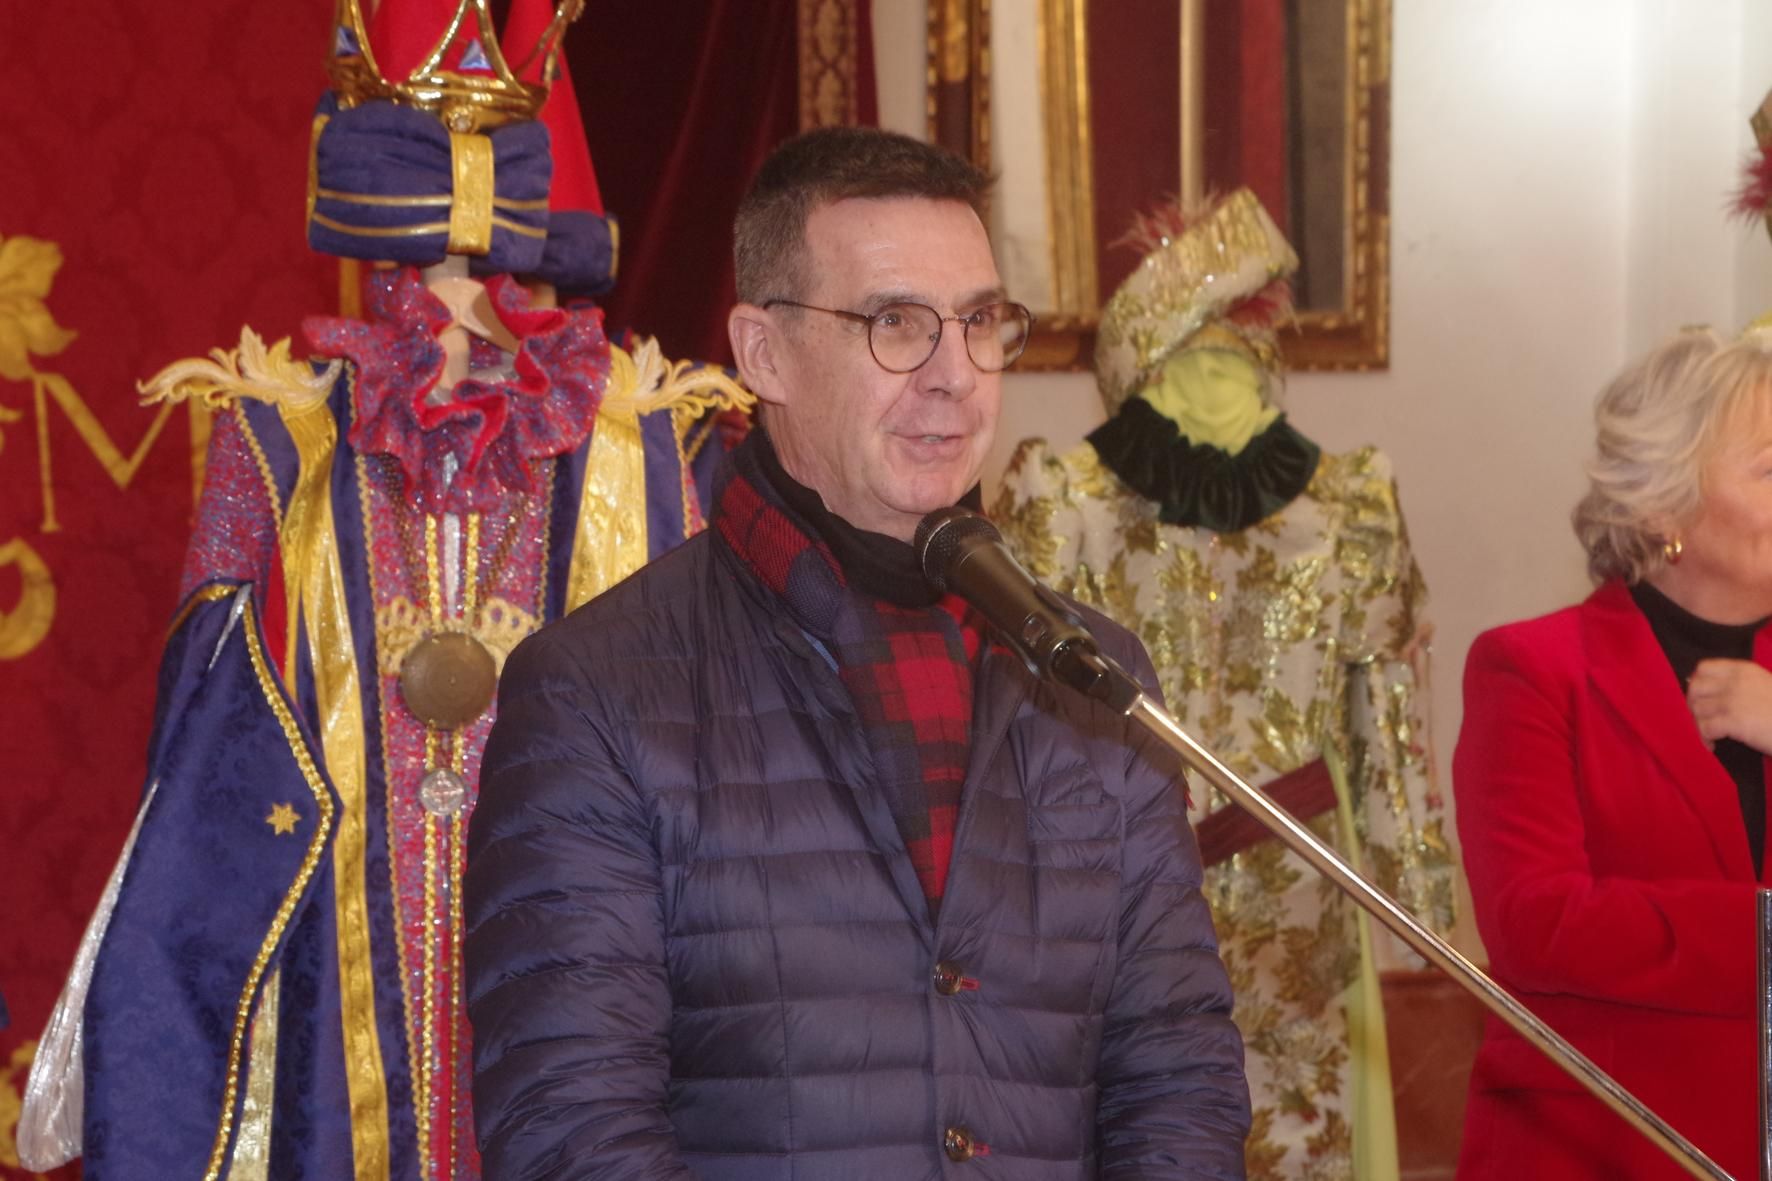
(316, 578)
(611, 540)
(252, 1147)
(470, 214)
(320, 122)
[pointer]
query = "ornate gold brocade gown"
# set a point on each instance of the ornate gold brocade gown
(1287, 642)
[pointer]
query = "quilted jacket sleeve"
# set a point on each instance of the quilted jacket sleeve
(1174, 1103)
(564, 954)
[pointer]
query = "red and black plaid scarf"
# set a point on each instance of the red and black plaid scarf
(908, 669)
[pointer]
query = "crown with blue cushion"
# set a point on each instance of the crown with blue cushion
(465, 79)
(429, 144)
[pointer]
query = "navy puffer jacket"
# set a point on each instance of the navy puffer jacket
(696, 946)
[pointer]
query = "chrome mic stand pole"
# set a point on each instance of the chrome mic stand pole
(1082, 668)
(1763, 997)
(962, 553)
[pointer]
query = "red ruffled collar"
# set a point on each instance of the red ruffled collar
(467, 453)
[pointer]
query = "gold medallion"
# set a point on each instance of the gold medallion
(448, 679)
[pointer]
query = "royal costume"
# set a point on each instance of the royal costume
(1275, 589)
(271, 987)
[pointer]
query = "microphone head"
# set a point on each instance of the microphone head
(943, 534)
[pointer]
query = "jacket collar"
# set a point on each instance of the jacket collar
(1629, 669)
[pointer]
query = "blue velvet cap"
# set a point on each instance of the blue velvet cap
(580, 254)
(382, 185)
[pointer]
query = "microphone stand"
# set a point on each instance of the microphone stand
(1763, 1003)
(1078, 665)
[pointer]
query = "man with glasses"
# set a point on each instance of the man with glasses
(781, 868)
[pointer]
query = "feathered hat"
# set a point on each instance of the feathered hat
(1217, 279)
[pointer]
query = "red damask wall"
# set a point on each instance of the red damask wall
(162, 150)
(152, 184)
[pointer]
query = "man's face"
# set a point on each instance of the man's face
(883, 449)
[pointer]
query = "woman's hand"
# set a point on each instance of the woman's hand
(1733, 699)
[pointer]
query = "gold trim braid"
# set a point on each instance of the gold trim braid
(285, 911)
(416, 231)
(433, 200)
(208, 594)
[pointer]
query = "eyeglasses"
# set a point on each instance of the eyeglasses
(903, 336)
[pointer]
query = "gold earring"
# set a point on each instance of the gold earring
(1671, 551)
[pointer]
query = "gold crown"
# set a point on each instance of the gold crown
(466, 103)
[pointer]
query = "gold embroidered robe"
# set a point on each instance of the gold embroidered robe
(1291, 640)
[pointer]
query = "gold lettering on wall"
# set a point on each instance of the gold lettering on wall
(12, 1085)
(28, 329)
(27, 268)
(98, 441)
(23, 626)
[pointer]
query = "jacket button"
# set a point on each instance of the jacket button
(958, 1144)
(947, 979)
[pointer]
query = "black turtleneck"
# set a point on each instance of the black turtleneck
(1686, 639)
(874, 563)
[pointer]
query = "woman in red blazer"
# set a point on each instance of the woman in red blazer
(1610, 779)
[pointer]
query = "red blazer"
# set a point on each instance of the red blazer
(1614, 891)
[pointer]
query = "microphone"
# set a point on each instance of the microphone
(962, 553)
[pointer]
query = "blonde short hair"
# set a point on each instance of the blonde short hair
(1656, 426)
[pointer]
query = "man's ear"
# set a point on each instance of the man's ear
(755, 335)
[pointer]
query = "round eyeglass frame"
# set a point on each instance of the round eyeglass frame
(941, 325)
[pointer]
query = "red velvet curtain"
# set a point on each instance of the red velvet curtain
(163, 154)
(682, 102)
(1135, 117)
(1135, 121)
(1246, 101)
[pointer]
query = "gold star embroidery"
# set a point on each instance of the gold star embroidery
(283, 819)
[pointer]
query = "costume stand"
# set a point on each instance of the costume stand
(272, 984)
(1274, 587)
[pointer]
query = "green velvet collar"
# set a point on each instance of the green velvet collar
(1196, 485)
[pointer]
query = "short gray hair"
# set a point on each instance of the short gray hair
(1656, 426)
(822, 167)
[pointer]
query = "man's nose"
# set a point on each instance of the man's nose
(949, 370)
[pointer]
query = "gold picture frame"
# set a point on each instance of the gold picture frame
(1351, 332)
